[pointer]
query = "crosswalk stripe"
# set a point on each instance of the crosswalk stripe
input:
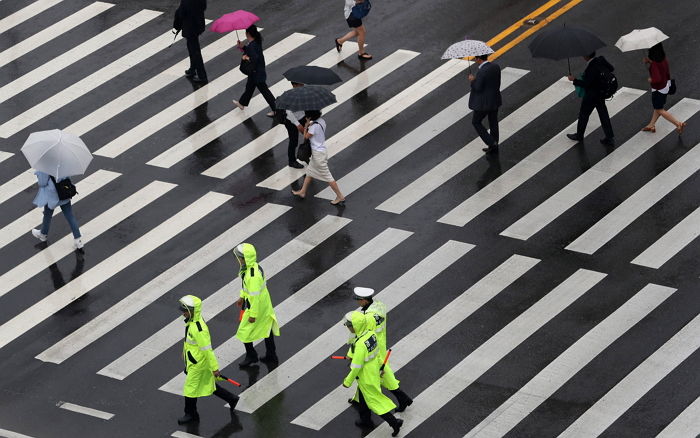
(9, 434)
(235, 117)
(85, 410)
(323, 346)
(55, 30)
(643, 378)
(452, 383)
(17, 184)
(634, 206)
(221, 300)
(33, 218)
(408, 348)
(26, 13)
(596, 176)
(76, 53)
(671, 243)
(109, 267)
(274, 136)
(374, 119)
(310, 294)
(25, 270)
(529, 166)
(5, 155)
(178, 109)
(162, 284)
(685, 425)
(570, 362)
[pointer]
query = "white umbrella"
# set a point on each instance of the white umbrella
(57, 153)
(640, 39)
(467, 48)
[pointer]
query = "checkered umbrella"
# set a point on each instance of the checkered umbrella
(306, 98)
(467, 48)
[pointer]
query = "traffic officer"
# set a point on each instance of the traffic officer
(201, 366)
(365, 368)
(258, 319)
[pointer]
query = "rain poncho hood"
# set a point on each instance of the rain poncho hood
(194, 303)
(359, 323)
(248, 253)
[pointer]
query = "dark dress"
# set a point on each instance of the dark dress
(258, 77)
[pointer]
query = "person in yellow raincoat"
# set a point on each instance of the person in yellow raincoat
(364, 368)
(201, 366)
(258, 319)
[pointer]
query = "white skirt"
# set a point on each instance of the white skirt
(318, 166)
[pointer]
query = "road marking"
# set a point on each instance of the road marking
(643, 378)
(181, 434)
(634, 206)
(221, 300)
(529, 166)
(26, 13)
(276, 135)
(570, 362)
(428, 333)
(5, 155)
(148, 127)
(318, 350)
(451, 384)
(34, 217)
(310, 294)
(17, 184)
(85, 411)
(109, 267)
(671, 243)
(162, 284)
(9, 434)
(76, 54)
(686, 425)
(25, 270)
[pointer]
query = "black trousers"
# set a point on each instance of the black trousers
(366, 413)
(489, 137)
(270, 348)
(587, 107)
(250, 87)
(191, 402)
(196, 61)
(293, 134)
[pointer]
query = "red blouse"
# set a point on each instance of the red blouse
(660, 74)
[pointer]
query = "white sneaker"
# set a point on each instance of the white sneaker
(37, 233)
(78, 243)
(239, 105)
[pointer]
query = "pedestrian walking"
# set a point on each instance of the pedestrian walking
(47, 197)
(485, 99)
(253, 52)
(660, 81)
(201, 366)
(358, 29)
(315, 132)
(258, 319)
(189, 18)
(294, 122)
(365, 368)
(593, 84)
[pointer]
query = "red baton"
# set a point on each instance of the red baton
(230, 380)
(386, 359)
(339, 357)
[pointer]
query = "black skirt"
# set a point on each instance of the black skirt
(658, 100)
(354, 22)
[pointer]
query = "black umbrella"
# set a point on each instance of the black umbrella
(309, 97)
(312, 75)
(564, 42)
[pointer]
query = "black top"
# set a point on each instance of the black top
(189, 17)
(255, 53)
(486, 88)
(591, 81)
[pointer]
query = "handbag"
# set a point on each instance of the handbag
(247, 67)
(304, 151)
(360, 10)
(64, 188)
(672, 88)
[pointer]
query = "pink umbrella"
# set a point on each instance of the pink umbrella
(237, 20)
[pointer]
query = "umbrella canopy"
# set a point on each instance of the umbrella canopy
(57, 153)
(312, 75)
(564, 42)
(237, 20)
(467, 48)
(640, 39)
(310, 97)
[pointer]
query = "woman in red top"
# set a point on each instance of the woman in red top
(660, 81)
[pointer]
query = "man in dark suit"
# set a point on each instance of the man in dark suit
(189, 18)
(484, 100)
(593, 98)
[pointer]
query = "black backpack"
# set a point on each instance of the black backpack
(607, 83)
(65, 188)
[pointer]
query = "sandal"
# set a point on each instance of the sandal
(338, 46)
(681, 127)
(651, 129)
(364, 56)
(340, 203)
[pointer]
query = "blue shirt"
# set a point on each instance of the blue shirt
(47, 195)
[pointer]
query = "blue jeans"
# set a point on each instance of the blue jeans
(67, 213)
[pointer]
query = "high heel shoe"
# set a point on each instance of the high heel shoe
(681, 127)
(649, 129)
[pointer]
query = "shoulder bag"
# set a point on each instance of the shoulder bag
(65, 188)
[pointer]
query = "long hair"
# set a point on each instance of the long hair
(656, 53)
(253, 31)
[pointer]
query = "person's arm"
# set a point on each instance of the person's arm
(308, 131)
(292, 118)
(254, 292)
(203, 340)
(478, 82)
(358, 360)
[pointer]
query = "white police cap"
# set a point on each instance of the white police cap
(363, 292)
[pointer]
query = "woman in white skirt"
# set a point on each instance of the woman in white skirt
(315, 131)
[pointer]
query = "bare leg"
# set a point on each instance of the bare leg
(654, 118)
(338, 196)
(666, 115)
(304, 187)
(351, 34)
(361, 32)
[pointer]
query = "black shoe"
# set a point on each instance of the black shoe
(189, 73)
(574, 137)
(361, 424)
(270, 358)
(491, 149)
(353, 402)
(397, 426)
(248, 361)
(402, 406)
(187, 418)
(296, 165)
(608, 141)
(198, 80)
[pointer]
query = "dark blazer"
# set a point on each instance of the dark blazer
(486, 88)
(255, 53)
(591, 77)
(189, 17)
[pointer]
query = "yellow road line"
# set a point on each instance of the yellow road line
(515, 26)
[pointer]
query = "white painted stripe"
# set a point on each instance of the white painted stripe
(427, 333)
(686, 425)
(5, 155)
(318, 350)
(17, 184)
(570, 362)
(76, 54)
(178, 109)
(33, 218)
(109, 267)
(596, 176)
(85, 411)
(55, 30)
(181, 434)
(530, 165)
(411, 142)
(26, 13)
(25, 270)
(274, 136)
(671, 243)
(634, 206)
(310, 294)
(162, 284)
(4, 433)
(221, 299)
(374, 119)
(629, 390)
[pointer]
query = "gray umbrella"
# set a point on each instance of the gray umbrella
(564, 42)
(312, 75)
(309, 97)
